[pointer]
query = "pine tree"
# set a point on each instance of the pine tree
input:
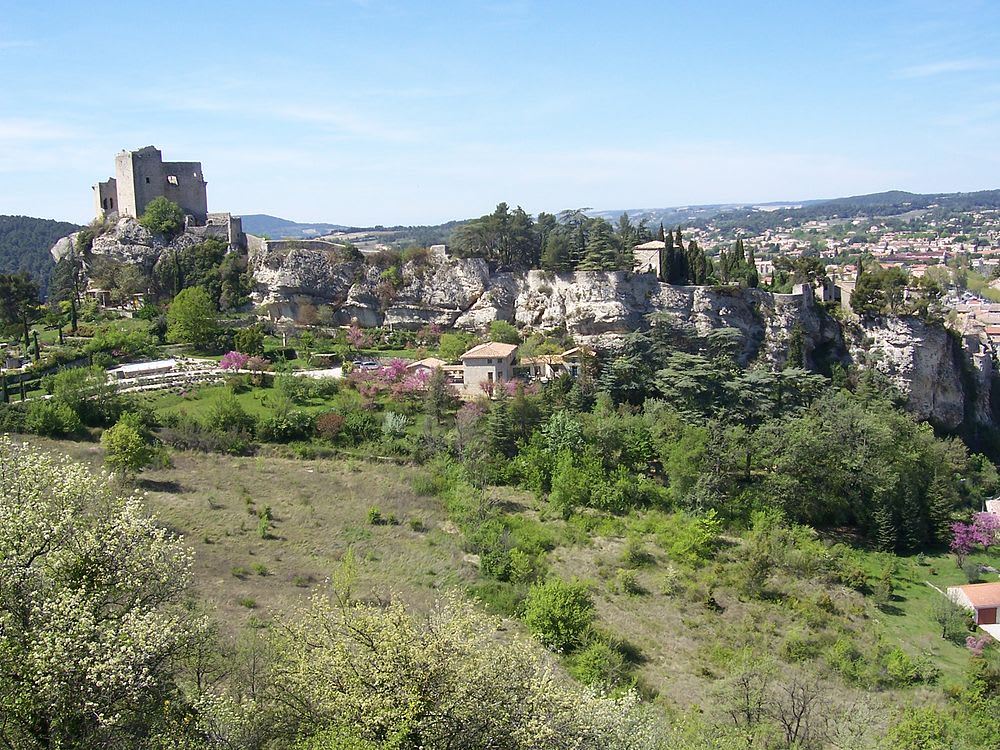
(556, 253)
(886, 533)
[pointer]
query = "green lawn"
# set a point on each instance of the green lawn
(910, 617)
(199, 402)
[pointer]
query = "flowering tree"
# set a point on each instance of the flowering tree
(357, 338)
(233, 361)
(963, 541)
(354, 673)
(986, 526)
(89, 606)
(965, 537)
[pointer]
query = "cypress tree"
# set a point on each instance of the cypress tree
(697, 264)
(660, 236)
(666, 255)
(752, 277)
(500, 426)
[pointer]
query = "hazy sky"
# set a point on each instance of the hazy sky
(380, 111)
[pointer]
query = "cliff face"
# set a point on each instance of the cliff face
(947, 383)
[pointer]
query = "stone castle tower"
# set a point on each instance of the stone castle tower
(142, 175)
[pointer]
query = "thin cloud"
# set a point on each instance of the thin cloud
(27, 130)
(946, 67)
(6, 44)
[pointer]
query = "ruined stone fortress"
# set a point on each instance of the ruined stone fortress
(142, 175)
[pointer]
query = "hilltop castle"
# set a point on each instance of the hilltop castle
(142, 175)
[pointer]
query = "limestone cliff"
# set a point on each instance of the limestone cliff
(946, 382)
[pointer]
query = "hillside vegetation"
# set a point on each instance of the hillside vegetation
(25, 243)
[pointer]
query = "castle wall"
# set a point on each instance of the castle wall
(105, 198)
(184, 184)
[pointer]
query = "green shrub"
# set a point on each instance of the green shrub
(558, 613)
(51, 418)
(375, 516)
(126, 448)
(635, 554)
(11, 418)
(599, 664)
(162, 216)
(287, 426)
(627, 582)
(361, 427)
(228, 415)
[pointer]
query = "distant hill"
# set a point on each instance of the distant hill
(277, 228)
(25, 243)
(677, 215)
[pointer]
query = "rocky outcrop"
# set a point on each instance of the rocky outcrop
(130, 243)
(944, 383)
(947, 381)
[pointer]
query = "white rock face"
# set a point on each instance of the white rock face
(945, 384)
(926, 363)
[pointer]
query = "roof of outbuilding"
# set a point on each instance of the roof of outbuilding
(982, 594)
(429, 362)
(490, 349)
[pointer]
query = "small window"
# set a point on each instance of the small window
(147, 180)
(489, 361)
(172, 179)
(489, 377)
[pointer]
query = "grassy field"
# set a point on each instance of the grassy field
(682, 634)
(319, 509)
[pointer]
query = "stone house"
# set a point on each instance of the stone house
(550, 366)
(646, 257)
(489, 363)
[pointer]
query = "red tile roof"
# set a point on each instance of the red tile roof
(982, 594)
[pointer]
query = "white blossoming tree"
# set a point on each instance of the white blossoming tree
(365, 676)
(89, 612)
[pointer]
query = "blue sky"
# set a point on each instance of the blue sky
(381, 111)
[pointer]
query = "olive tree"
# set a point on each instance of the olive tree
(89, 607)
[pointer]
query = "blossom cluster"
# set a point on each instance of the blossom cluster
(233, 361)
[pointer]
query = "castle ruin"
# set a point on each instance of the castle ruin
(142, 175)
